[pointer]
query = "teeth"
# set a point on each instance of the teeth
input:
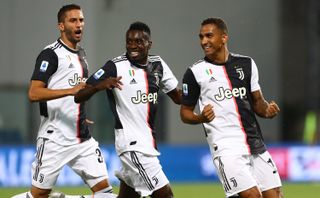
(134, 53)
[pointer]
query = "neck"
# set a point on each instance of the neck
(221, 57)
(68, 43)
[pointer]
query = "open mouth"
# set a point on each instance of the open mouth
(134, 54)
(78, 33)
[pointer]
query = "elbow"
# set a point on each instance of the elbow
(32, 97)
(76, 99)
(177, 101)
(183, 118)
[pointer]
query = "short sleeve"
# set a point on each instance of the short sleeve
(108, 70)
(46, 65)
(254, 77)
(190, 89)
(168, 81)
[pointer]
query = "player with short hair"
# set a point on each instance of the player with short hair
(64, 137)
(134, 107)
(225, 85)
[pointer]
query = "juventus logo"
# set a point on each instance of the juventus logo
(234, 181)
(156, 180)
(240, 72)
(156, 75)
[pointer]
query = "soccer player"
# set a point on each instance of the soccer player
(63, 137)
(225, 85)
(134, 107)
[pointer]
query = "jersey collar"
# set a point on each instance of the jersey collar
(67, 48)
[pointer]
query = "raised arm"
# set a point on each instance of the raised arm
(38, 91)
(108, 83)
(263, 108)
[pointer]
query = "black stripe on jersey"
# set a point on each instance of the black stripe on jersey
(39, 156)
(84, 133)
(142, 172)
(82, 59)
(43, 109)
(154, 76)
(245, 104)
(226, 184)
(83, 129)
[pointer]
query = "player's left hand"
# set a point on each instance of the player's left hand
(272, 110)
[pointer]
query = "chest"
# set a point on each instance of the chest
(72, 68)
(224, 82)
(144, 80)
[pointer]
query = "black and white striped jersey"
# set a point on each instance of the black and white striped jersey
(60, 67)
(228, 87)
(134, 107)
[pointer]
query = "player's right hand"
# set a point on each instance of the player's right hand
(110, 83)
(77, 88)
(207, 113)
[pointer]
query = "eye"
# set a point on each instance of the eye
(139, 41)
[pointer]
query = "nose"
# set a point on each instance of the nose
(132, 45)
(203, 41)
(79, 23)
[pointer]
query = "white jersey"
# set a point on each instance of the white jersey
(62, 120)
(228, 87)
(135, 106)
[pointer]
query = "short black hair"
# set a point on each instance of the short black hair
(217, 22)
(66, 8)
(139, 26)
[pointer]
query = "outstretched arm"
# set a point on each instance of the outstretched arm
(38, 91)
(263, 108)
(190, 117)
(175, 95)
(86, 93)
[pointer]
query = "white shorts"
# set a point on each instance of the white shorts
(239, 173)
(142, 172)
(85, 159)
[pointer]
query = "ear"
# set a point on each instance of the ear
(61, 27)
(149, 44)
(224, 38)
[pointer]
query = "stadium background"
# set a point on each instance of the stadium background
(282, 36)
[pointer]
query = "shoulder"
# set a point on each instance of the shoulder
(197, 64)
(154, 58)
(48, 53)
(120, 58)
(53, 46)
(240, 57)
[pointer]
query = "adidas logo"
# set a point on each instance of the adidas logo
(71, 65)
(212, 79)
(133, 81)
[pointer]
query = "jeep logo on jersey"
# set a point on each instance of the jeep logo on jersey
(229, 93)
(144, 98)
(76, 80)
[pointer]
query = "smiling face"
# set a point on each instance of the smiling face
(138, 45)
(212, 40)
(71, 27)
